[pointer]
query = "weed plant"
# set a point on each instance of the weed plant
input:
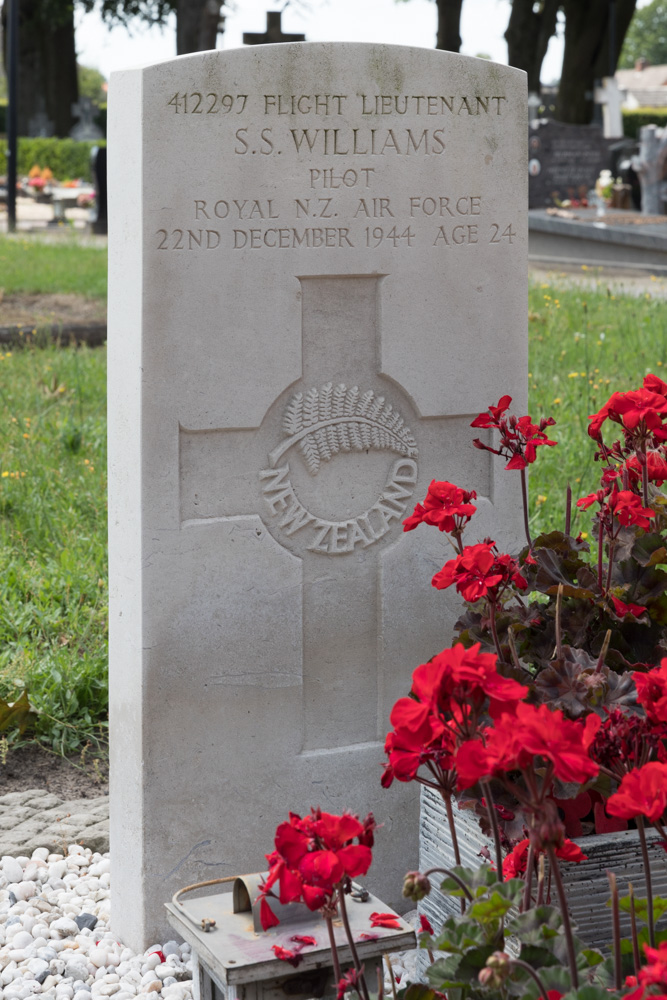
(53, 593)
(584, 345)
(62, 266)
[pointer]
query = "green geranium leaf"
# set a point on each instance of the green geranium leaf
(591, 957)
(442, 973)
(641, 907)
(491, 909)
(457, 935)
(537, 956)
(417, 991)
(473, 961)
(539, 920)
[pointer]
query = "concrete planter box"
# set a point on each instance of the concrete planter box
(586, 883)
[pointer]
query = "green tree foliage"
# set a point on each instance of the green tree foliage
(647, 36)
(91, 83)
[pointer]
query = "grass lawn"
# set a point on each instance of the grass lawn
(583, 346)
(50, 266)
(53, 593)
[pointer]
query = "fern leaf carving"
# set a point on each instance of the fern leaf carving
(327, 421)
(293, 418)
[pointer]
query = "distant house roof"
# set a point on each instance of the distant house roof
(643, 88)
(650, 78)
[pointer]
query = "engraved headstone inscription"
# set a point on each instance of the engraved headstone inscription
(317, 279)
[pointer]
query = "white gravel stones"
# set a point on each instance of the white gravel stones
(43, 953)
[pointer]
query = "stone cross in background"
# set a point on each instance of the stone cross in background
(610, 96)
(40, 126)
(301, 330)
(273, 33)
(85, 129)
(650, 166)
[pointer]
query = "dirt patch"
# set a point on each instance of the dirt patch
(33, 311)
(33, 767)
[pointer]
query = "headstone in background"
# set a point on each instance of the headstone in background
(565, 160)
(650, 165)
(273, 34)
(610, 97)
(318, 270)
(85, 129)
(40, 126)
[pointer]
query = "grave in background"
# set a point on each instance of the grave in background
(317, 259)
(565, 160)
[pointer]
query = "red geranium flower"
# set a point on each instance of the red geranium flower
(519, 436)
(622, 609)
(460, 676)
(656, 467)
(642, 792)
(640, 409)
(627, 507)
(479, 572)
(515, 863)
(425, 925)
(652, 691)
(312, 855)
(446, 506)
(350, 981)
(519, 738)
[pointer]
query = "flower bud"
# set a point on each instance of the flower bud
(496, 971)
(416, 886)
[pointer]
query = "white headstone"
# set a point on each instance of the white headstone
(610, 96)
(317, 278)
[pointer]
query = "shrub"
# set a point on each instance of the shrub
(65, 157)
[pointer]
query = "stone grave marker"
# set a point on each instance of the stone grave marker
(565, 160)
(318, 270)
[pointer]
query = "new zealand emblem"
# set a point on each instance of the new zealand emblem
(323, 423)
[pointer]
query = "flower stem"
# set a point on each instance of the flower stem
(353, 948)
(493, 820)
(649, 885)
(600, 552)
(334, 950)
(391, 975)
(567, 927)
(568, 510)
(644, 465)
(633, 929)
(603, 652)
(494, 630)
(529, 879)
(452, 828)
(616, 931)
(455, 840)
(524, 497)
(519, 964)
(559, 605)
(454, 877)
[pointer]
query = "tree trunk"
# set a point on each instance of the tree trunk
(586, 56)
(449, 25)
(527, 36)
(47, 80)
(198, 23)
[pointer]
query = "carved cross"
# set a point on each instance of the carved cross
(273, 33)
(331, 473)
